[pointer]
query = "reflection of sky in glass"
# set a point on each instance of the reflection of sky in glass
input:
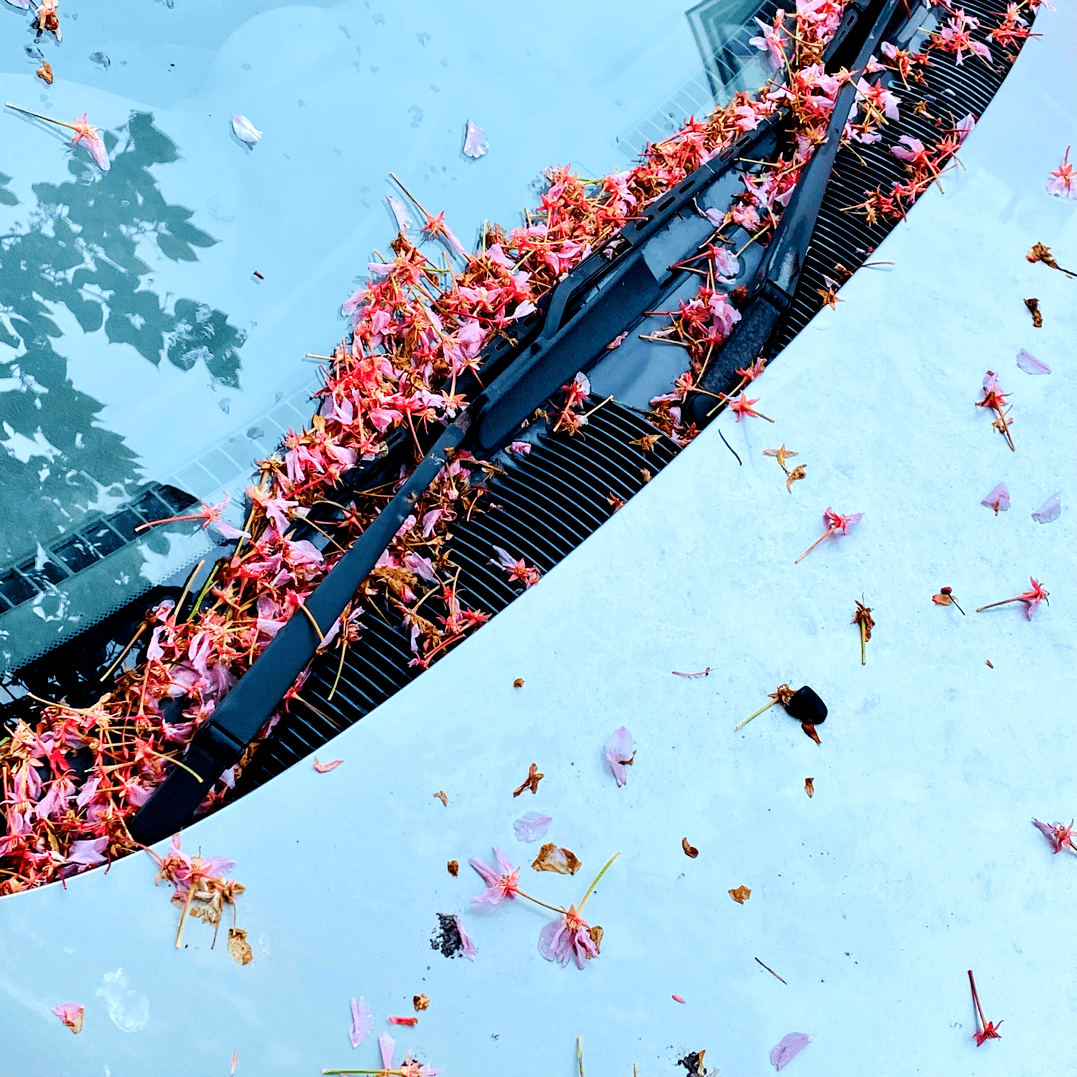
(137, 345)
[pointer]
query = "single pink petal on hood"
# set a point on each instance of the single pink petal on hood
(475, 141)
(790, 1046)
(619, 753)
(245, 130)
(467, 947)
(362, 1021)
(532, 826)
(325, 768)
(998, 499)
(522, 447)
(1050, 510)
(400, 212)
(387, 1045)
(71, 1013)
(1030, 364)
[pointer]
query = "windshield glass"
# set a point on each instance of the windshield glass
(155, 317)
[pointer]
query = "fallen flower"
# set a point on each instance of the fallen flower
(998, 499)
(1031, 598)
(410, 1022)
(71, 1013)
(1038, 252)
(945, 597)
(553, 858)
(809, 786)
(1063, 181)
(238, 946)
(781, 455)
(1037, 315)
(689, 676)
(1050, 510)
(788, 1048)
(362, 1021)
(740, 894)
(1030, 364)
(48, 19)
(782, 694)
(798, 473)
(994, 399)
(500, 886)
(835, 523)
(519, 570)
(863, 618)
(325, 768)
(387, 1046)
(989, 1028)
(570, 936)
(44, 72)
(475, 141)
(84, 132)
(620, 754)
(420, 1002)
(1060, 836)
(532, 826)
(742, 406)
(244, 130)
(689, 850)
(531, 781)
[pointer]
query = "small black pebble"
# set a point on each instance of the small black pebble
(806, 706)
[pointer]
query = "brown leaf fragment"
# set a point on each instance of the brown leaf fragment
(647, 442)
(809, 731)
(553, 858)
(740, 895)
(990, 663)
(645, 472)
(1034, 309)
(44, 72)
(809, 786)
(942, 600)
(518, 683)
(440, 794)
(238, 946)
(531, 781)
(325, 768)
(596, 932)
(454, 867)
(863, 618)
(420, 1002)
(689, 850)
(798, 473)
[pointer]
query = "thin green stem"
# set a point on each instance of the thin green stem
(605, 866)
(552, 908)
(766, 707)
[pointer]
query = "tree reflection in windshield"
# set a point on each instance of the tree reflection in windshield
(79, 250)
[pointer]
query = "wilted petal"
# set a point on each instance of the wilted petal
(89, 851)
(532, 826)
(475, 142)
(789, 1047)
(1049, 510)
(362, 1021)
(96, 146)
(325, 768)
(400, 212)
(522, 447)
(24, 4)
(1030, 364)
(998, 499)
(467, 947)
(71, 1013)
(619, 753)
(245, 130)
(387, 1045)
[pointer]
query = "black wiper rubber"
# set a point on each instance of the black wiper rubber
(776, 276)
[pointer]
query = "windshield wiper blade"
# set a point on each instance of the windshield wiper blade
(775, 281)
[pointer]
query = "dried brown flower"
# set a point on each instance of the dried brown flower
(689, 850)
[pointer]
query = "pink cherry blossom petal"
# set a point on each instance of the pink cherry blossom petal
(467, 947)
(1050, 510)
(96, 146)
(619, 753)
(362, 1021)
(1030, 364)
(998, 499)
(244, 130)
(790, 1046)
(532, 826)
(400, 212)
(387, 1045)
(522, 447)
(325, 768)
(475, 141)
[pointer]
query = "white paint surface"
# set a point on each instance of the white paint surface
(914, 861)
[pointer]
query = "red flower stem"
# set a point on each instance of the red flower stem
(976, 1001)
(826, 534)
